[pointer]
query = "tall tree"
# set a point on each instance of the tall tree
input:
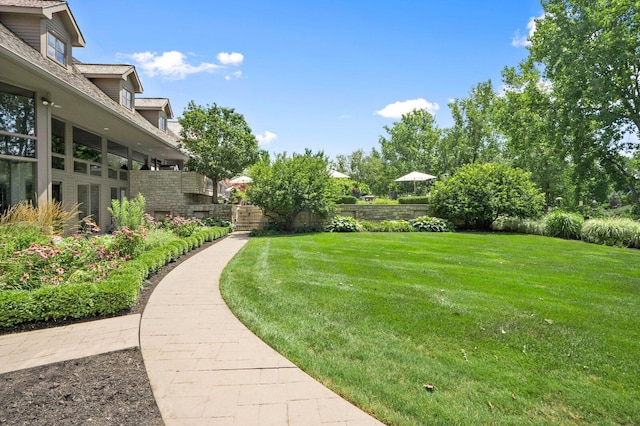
(473, 137)
(287, 186)
(534, 140)
(219, 141)
(412, 144)
(366, 168)
(590, 51)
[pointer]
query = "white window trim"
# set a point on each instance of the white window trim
(127, 98)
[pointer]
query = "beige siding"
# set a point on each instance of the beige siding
(110, 87)
(26, 27)
(150, 116)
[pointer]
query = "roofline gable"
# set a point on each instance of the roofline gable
(77, 40)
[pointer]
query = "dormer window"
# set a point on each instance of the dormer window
(163, 123)
(56, 49)
(127, 98)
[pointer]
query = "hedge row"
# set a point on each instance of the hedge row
(413, 200)
(116, 294)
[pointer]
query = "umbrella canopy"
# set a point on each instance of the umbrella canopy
(241, 179)
(337, 174)
(415, 177)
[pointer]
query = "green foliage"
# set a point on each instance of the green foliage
(128, 213)
(563, 225)
(413, 200)
(219, 141)
(213, 221)
(620, 232)
(343, 224)
(431, 224)
(346, 199)
(182, 226)
(480, 193)
(107, 294)
(589, 51)
(289, 185)
(381, 201)
(411, 144)
(523, 226)
(130, 242)
(387, 226)
(48, 218)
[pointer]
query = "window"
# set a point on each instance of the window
(163, 123)
(17, 182)
(56, 49)
(57, 144)
(17, 122)
(88, 147)
(117, 158)
(127, 98)
(89, 202)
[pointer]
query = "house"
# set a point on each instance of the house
(69, 131)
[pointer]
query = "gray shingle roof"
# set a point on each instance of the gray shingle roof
(31, 3)
(75, 81)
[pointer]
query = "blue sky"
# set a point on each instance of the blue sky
(325, 75)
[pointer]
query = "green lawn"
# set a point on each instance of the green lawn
(509, 329)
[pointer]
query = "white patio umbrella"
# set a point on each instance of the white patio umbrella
(415, 177)
(337, 174)
(241, 179)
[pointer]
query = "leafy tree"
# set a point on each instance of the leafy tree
(289, 185)
(477, 194)
(527, 117)
(473, 137)
(412, 144)
(368, 169)
(219, 141)
(590, 51)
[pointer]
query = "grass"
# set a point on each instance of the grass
(509, 329)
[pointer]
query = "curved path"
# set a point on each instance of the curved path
(207, 368)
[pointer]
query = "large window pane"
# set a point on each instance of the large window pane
(17, 146)
(17, 111)
(116, 155)
(17, 182)
(57, 136)
(87, 146)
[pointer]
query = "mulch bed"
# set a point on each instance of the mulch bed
(107, 389)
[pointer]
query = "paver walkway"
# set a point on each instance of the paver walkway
(204, 366)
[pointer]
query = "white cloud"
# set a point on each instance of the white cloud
(397, 109)
(525, 40)
(170, 65)
(237, 74)
(266, 138)
(233, 58)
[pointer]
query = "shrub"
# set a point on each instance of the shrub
(48, 218)
(523, 226)
(480, 193)
(128, 213)
(431, 224)
(129, 242)
(346, 199)
(387, 226)
(182, 226)
(413, 200)
(622, 232)
(563, 225)
(116, 293)
(343, 224)
(212, 221)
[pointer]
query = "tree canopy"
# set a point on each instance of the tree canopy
(219, 141)
(590, 51)
(287, 186)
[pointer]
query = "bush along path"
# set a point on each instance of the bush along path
(114, 292)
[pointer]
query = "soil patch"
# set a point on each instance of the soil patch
(107, 389)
